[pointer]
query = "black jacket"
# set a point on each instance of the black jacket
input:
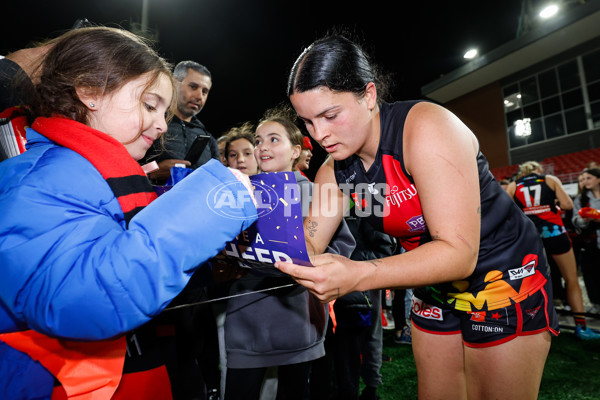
(178, 140)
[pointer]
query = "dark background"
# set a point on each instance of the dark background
(250, 45)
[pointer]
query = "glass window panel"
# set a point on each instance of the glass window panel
(575, 120)
(508, 90)
(595, 108)
(594, 91)
(572, 99)
(548, 83)
(532, 111)
(537, 132)
(551, 105)
(568, 75)
(529, 92)
(554, 126)
(591, 63)
(525, 131)
(512, 116)
(514, 140)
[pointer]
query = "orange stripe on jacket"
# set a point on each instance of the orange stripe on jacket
(86, 370)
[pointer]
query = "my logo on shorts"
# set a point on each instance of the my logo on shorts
(424, 310)
(520, 273)
(532, 313)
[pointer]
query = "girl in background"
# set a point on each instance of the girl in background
(239, 149)
(590, 235)
(282, 328)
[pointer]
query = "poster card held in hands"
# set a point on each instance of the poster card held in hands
(277, 234)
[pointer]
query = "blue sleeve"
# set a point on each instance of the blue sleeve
(21, 377)
(72, 270)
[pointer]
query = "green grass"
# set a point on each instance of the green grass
(571, 371)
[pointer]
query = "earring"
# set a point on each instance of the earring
(92, 105)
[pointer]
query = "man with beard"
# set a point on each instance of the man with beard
(193, 366)
(194, 82)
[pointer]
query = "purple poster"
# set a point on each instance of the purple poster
(277, 234)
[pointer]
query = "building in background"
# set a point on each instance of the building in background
(536, 97)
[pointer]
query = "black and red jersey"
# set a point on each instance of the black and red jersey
(538, 202)
(511, 262)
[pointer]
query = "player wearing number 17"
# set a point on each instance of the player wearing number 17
(537, 194)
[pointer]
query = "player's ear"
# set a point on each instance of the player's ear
(370, 96)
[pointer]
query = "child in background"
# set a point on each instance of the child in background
(283, 327)
(239, 149)
(221, 141)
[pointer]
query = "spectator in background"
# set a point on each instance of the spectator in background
(401, 306)
(355, 343)
(580, 183)
(221, 142)
(305, 156)
(194, 82)
(195, 368)
(538, 195)
(283, 328)
(589, 237)
(18, 71)
(239, 149)
(575, 233)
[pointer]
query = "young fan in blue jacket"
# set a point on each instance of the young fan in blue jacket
(87, 251)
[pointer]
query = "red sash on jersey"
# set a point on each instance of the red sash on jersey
(404, 216)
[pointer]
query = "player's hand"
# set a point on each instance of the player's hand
(331, 276)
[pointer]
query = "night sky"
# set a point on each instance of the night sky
(250, 45)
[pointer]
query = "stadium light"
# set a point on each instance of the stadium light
(470, 54)
(549, 11)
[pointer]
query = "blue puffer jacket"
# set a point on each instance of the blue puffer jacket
(70, 268)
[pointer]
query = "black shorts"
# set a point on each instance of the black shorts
(533, 315)
(557, 244)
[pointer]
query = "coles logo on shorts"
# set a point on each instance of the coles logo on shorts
(424, 310)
